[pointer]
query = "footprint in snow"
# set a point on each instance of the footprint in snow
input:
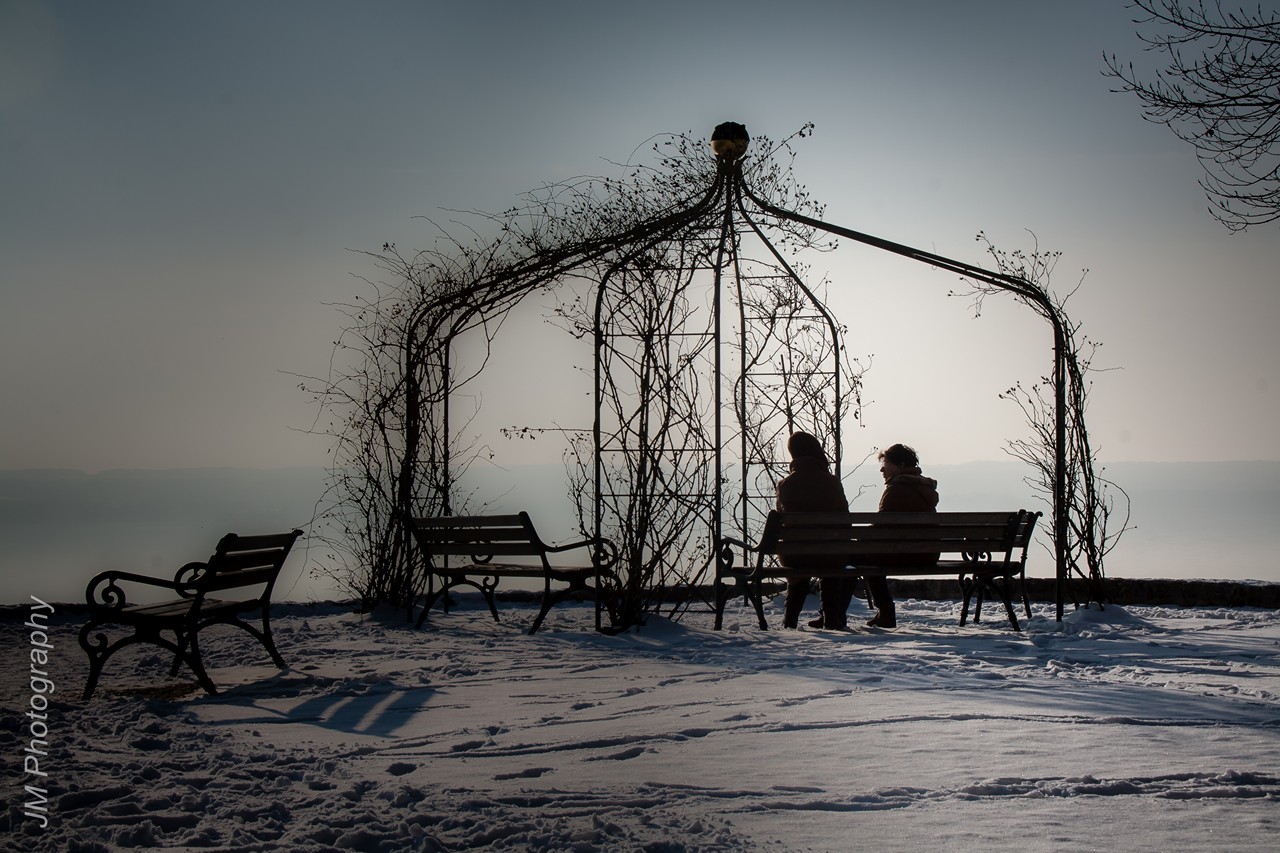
(528, 773)
(633, 752)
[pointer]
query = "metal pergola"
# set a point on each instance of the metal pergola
(730, 209)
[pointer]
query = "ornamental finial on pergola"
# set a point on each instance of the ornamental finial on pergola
(729, 140)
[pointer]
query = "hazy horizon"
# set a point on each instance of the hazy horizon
(989, 461)
(58, 528)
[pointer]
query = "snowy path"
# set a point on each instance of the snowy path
(1144, 729)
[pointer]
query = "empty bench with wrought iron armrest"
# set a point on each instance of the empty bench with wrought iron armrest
(986, 551)
(238, 578)
(486, 544)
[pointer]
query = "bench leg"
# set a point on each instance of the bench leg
(551, 599)
(268, 640)
(429, 596)
(756, 595)
(548, 600)
(99, 651)
(98, 658)
(488, 587)
(432, 595)
(1008, 604)
(750, 590)
(1000, 588)
(980, 585)
(197, 666)
(975, 584)
(262, 635)
(966, 587)
(178, 657)
(1022, 585)
(721, 597)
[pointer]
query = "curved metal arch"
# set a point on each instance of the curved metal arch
(737, 186)
(1039, 301)
(832, 326)
(733, 221)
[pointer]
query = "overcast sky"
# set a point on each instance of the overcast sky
(183, 186)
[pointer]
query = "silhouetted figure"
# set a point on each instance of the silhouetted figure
(811, 487)
(905, 490)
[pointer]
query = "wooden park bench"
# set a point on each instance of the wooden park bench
(986, 551)
(238, 578)
(479, 539)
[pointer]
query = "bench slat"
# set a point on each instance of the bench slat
(161, 610)
(509, 570)
(451, 532)
(911, 519)
(450, 522)
(220, 581)
(275, 541)
(943, 536)
(480, 549)
(908, 546)
(236, 562)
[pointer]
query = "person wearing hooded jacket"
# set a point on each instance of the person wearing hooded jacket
(906, 489)
(811, 487)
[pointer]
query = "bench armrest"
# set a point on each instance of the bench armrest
(184, 580)
(604, 552)
(724, 553)
(104, 591)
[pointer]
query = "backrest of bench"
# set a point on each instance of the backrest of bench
(244, 561)
(881, 533)
(478, 537)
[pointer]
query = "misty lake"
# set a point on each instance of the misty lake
(57, 528)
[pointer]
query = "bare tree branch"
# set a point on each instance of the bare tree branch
(1220, 92)
(1097, 509)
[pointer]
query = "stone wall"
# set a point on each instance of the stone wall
(1176, 593)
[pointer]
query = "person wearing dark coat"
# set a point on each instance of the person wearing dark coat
(906, 489)
(811, 487)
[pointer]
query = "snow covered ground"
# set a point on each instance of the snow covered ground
(1128, 729)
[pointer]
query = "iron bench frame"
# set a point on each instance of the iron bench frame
(239, 564)
(988, 552)
(481, 538)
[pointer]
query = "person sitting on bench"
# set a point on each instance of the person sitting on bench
(906, 489)
(811, 487)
